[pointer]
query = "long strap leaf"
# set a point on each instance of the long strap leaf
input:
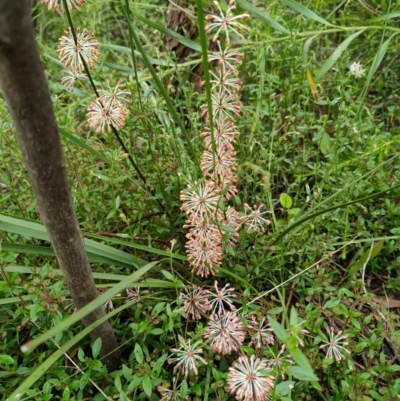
(261, 15)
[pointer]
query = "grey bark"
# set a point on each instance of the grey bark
(26, 92)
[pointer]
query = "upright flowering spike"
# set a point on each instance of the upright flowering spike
(71, 52)
(247, 380)
(209, 226)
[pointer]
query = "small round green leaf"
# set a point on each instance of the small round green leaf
(286, 201)
(96, 347)
(6, 360)
(66, 394)
(147, 386)
(138, 353)
(284, 388)
(184, 389)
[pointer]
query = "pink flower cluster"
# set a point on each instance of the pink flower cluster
(76, 50)
(212, 227)
(225, 333)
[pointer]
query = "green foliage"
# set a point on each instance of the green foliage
(318, 146)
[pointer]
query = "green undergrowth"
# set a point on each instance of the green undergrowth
(318, 146)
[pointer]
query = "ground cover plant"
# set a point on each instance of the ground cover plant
(235, 176)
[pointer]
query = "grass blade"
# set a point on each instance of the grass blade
(147, 283)
(294, 5)
(181, 39)
(372, 70)
(328, 64)
(47, 251)
(127, 50)
(98, 252)
(261, 15)
(144, 248)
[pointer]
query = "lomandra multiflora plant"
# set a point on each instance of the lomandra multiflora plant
(242, 338)
(212, 223)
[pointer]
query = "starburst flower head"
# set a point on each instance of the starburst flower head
(195, 302)
(108, 306)
(247, 379)
(229, 189)
(357, 70)
(224, 134)
(223, 163)
(85, 47)
(280, 361)
(200, 200)
(71, 77)
(59, 4)
(134, 294)
(222, 298)
(226, 22)
(225, 333)
(204, 255)
(233, 221)
(226, 82)
(187, 357)
(261, 333)
(115, 95)
(102, 116)
(255, 220)
(224, 105)
(170, 394)
(202, 229)
(227, 58)
(336, 347)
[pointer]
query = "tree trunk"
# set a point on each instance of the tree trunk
(24, 84)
